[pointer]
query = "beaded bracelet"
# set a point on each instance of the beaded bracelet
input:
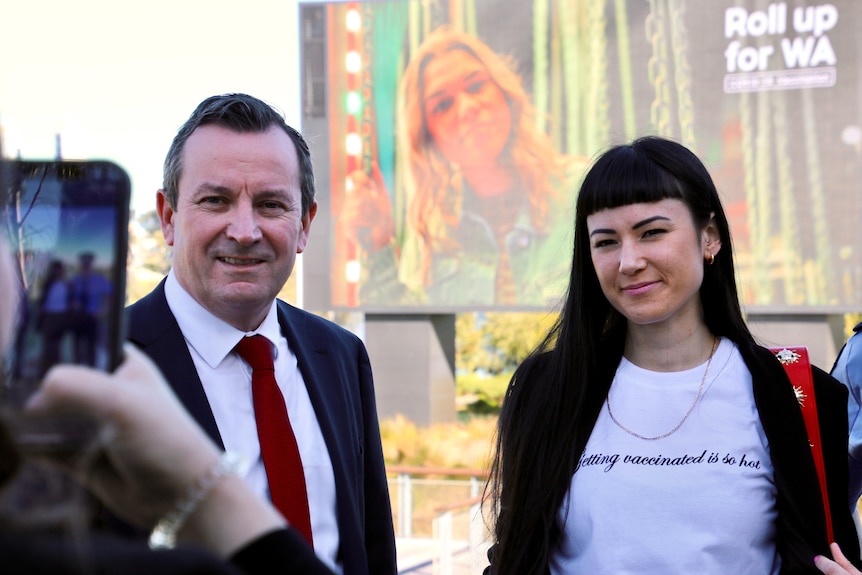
(164, 535)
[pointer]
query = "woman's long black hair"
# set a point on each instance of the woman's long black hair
(555, 395)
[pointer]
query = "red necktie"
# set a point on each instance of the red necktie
(277, 442)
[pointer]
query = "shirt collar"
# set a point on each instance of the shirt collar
(213, 338)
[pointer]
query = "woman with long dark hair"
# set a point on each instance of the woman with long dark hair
(649, 433)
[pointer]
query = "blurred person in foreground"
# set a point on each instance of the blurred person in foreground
(290, 391)
(649, 433)
(145, 458)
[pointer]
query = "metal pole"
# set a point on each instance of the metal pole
(405, 505)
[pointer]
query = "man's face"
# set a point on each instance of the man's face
(238, 223)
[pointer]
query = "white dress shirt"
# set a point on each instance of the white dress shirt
(226, 380)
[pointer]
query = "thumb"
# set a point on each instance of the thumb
(840, 566)
(78, 389)
(72, 389)
(138, 368)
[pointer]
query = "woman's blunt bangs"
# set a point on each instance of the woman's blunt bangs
(622, 176)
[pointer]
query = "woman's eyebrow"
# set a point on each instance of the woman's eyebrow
(637, 225)
(648, 221)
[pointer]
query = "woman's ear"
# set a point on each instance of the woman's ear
(711, 239)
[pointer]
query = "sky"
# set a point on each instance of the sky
(116, 79)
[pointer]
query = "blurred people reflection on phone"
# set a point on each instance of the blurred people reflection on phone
(53, 318)
(89, 297)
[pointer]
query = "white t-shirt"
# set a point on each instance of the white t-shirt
(702, 500)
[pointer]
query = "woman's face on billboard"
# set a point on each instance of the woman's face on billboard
(466, 113)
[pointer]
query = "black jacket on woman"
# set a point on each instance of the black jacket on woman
(801, 518)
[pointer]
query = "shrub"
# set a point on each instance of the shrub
(481, 395)
(461, 444)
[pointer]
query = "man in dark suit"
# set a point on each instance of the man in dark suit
(236, 206)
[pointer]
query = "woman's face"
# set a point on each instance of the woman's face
(649, 260)
(466, 113)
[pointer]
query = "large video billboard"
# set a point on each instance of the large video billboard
(451, 137)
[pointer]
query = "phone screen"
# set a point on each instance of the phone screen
(66, 223)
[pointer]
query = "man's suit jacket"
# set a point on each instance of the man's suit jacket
(336, 370)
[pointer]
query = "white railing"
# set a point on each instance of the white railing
(453, 534)
(477, 540)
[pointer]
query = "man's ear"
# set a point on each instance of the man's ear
(302, 240)
(166, 216)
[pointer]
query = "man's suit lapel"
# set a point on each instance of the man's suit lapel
(317, 367)
(153, 328)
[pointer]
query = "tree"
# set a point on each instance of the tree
(513, 335)
(470, 352)
(149, 256)
(497, 342)
(22, 201)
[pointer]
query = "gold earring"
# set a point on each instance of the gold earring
(710, 260)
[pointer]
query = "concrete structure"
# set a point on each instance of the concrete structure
(821, 332)
(413, 357)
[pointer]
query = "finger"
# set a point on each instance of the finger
(827, 566)
(78, 389)
(138, 366)
(71, 389)
(841, 560)
(837, 554)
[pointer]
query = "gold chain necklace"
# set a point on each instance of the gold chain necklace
(684, 417)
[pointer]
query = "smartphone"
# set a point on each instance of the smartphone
(66, 224)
